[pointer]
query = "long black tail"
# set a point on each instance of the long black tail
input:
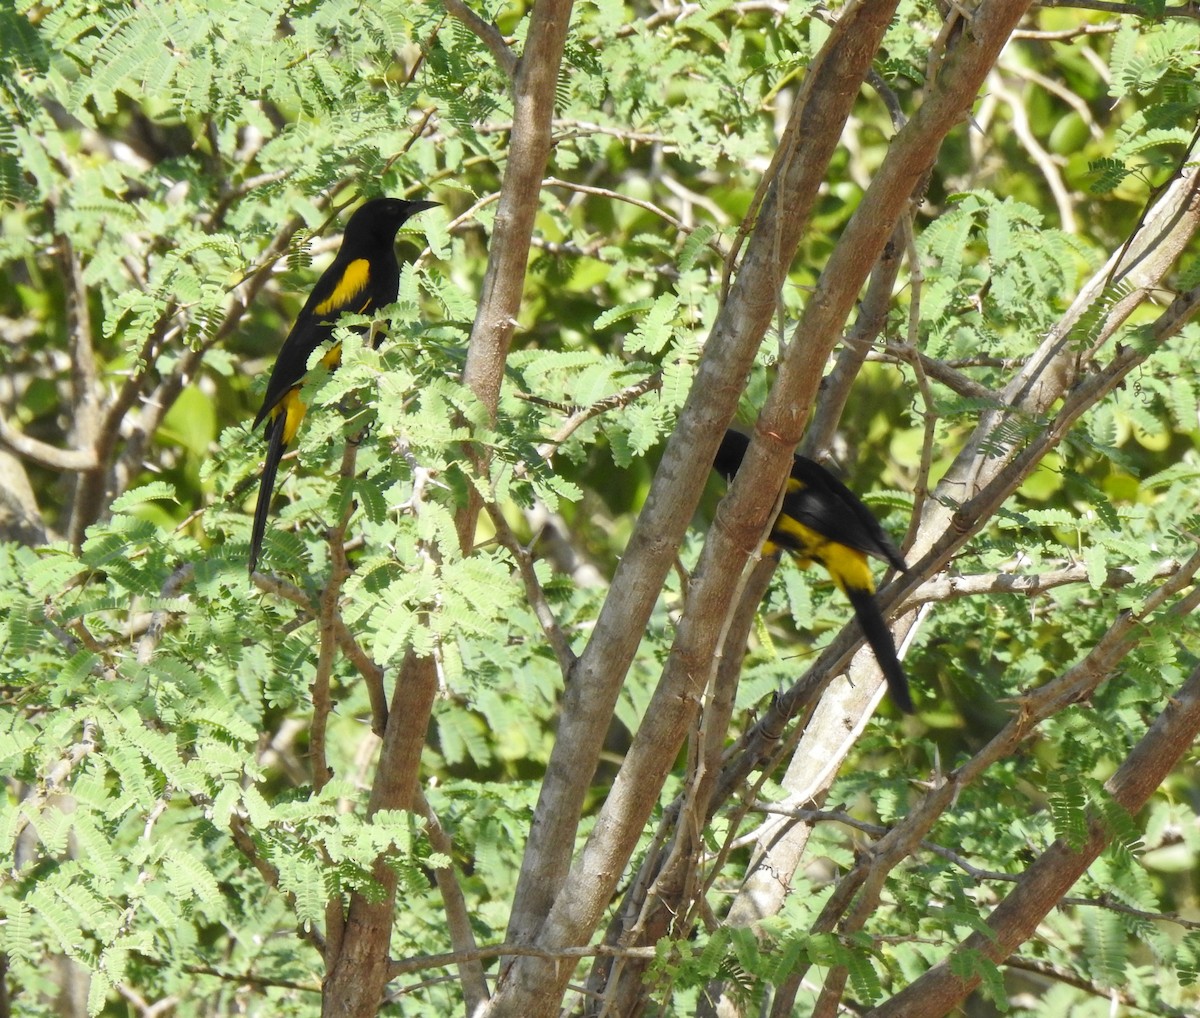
(880, 638)
(266, 485)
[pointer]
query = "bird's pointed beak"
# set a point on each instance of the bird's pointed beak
(421, 206)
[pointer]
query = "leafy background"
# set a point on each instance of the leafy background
(171, 179)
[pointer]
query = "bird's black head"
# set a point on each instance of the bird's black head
(380, 218)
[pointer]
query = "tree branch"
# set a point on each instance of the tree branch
(43, 453)
(1048, 879)
(1075, 685)
(1190, 11)
(578, 902)
(533, 590)
(487, 33)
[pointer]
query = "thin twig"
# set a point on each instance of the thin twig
(458, 919)
(1066, 34)
(1189, 11)
(713, 244)
(149, 641)
(55, 779)
(240, 832)
(944, 587)
(489, 35)
(929, 415)
(371, 672)
(577, 416)
(429, 961)
(533, 590)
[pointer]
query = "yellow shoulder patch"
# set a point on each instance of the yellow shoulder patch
(354, 280)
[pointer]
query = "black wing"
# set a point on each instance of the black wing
(821, 502)
(818, 500)
(345, 286)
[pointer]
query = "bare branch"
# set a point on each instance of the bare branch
(945, 587)
(943, 373)
(500, 300)
(45, 454)
(400, 968)
(356, 960)
(372, 674)
(533, 590)
(1066, 34)
(872, 317)
(603, 192)
(179, 579)
(55, 779)
(577, 416)
(328, 619)
(20, 515)
(1044, 161)
(1073, 686)
(578, 902)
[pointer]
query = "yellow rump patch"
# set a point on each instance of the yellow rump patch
(847, 566)
(293, 408)
(354, 280)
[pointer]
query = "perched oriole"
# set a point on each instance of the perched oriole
(821, 520)
(364, 277)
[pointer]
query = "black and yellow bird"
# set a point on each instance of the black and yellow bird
(364, 277)
(821, 520)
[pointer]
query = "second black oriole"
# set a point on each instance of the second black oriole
(364, 277)
(821, 520)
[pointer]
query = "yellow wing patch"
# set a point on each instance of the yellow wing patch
(354, 280)
(808, 541)
(333, 357)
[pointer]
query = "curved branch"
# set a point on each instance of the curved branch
(487, 33)
(43, 453)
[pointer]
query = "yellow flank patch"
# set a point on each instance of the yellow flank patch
(354, 280)
(808, 540)
(294, 409)
(847, 566)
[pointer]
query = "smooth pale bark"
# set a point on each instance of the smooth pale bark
(741, 518)
(532, 986)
